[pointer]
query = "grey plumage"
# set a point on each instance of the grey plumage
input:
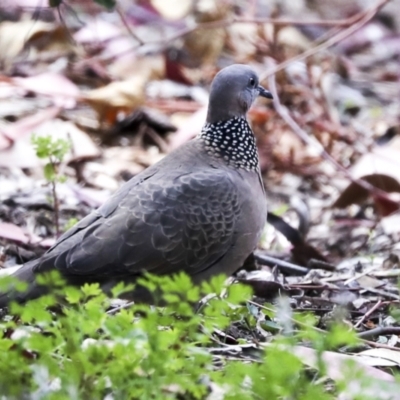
(199, 210)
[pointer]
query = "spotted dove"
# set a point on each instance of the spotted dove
(200, 210)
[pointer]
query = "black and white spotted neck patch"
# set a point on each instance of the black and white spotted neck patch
(232, 140)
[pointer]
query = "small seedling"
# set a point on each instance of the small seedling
(54, 150)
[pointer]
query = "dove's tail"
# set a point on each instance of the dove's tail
(25, 274)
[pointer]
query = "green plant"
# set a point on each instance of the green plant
(70, 223)
(54, 151)
(70, 344)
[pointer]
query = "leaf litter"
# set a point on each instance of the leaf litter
(328, 147)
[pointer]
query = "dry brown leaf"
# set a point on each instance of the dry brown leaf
(243, 38)
(17, 36)
(381, 169)
(355, 194)
(116, 97)
(289, 147)
(290, 36)
(203, 46)
(127, 95)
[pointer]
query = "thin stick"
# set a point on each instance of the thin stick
(223, 23)
(127, 26)
(361, 19)
(282, 265)
(55, 200)
(308, 140)
(373, 344)
(368, 313)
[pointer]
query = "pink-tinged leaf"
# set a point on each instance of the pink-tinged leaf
(16, 234)
(63, 92)
(83, 147)
(97, 31)
(27, 125)
(359, 378)
(30, 3)
(21, 154)
(92, 197)
(47, 243)
(336, 364)
(190, 128)
(380, 357)
(369, 33)
(7, 89)
(5, 142)
(120, 48)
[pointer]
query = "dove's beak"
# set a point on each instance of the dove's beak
(264, 92)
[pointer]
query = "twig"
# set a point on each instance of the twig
(127, 26)
(157, 139)
(113, 311)
(318, 264)
(381, 330)
(383, 293)
(373, 332)
(361, 274)
(311, 141)
(368, 313)
(282, 265)
(223, 23)
(358, 21)
(55, 201)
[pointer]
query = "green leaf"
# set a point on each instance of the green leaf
(73, 295)
(57, 350)
(55, 3)
(92, 289)
(109, 4)
(49, 172)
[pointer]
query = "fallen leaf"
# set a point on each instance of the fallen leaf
(381, 169)
(26, 125)
(356, 194)
(62, 91)
(203, 46)
(380, 357)
(337, 364)
(21, 154)
(96, 31)
(172, 9)
(126, 95)
(16, 234)
(188, 128)
(17, 36)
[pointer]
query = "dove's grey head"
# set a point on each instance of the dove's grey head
(233, 91)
